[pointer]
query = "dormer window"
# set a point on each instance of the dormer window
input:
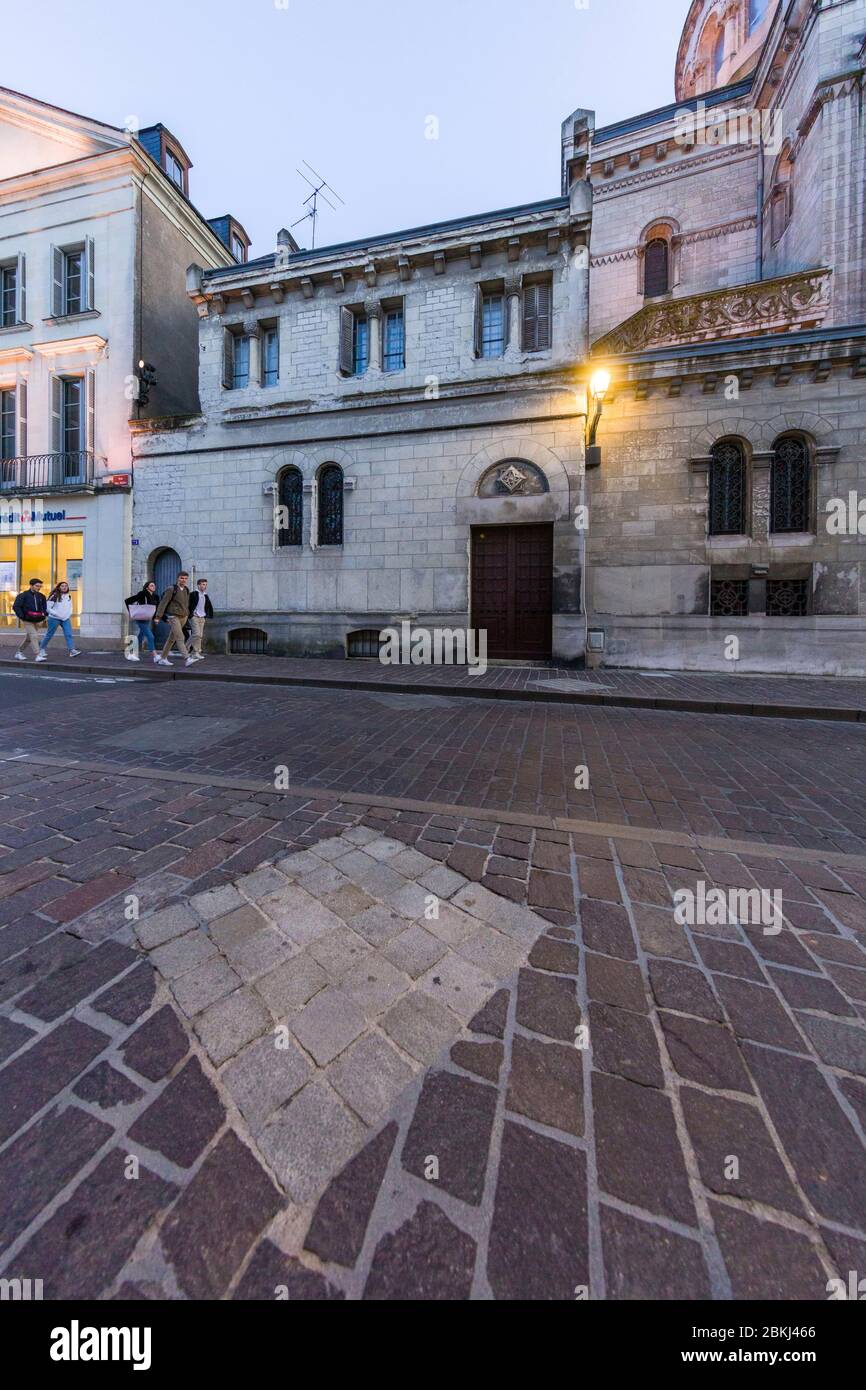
(239, 250)
(174, 169)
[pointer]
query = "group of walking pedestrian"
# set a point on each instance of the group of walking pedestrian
(168, 619)
(44, 615)
(177, 612)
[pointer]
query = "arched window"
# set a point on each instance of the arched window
(781, 196)
(790, 485)
(656, 271)
(330, 498)
(290, 496)
(718, 54)
(757, 10)
(728, 489)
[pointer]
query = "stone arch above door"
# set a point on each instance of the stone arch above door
(514, 450)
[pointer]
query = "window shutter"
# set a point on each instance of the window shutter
(228, 358)
(89, 284)
(655, 270)
(479, 319)
(56, 415)
(543, 303)
(88, 420)
(57, 305)
(20, 291)
(530, 319)
(21, 420)
(347, 345)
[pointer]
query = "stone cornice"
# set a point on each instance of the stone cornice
(681, 168)
(792, 302)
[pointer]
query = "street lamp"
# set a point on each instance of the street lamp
(599, 386)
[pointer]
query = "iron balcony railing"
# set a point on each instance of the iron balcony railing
(48, 472)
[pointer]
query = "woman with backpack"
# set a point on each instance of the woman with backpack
(141, 608)
(59, 615)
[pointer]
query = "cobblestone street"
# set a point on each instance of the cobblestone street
(425, 1024)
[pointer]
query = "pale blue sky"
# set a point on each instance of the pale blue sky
(251, 88)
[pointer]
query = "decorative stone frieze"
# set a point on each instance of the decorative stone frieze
(769, 306)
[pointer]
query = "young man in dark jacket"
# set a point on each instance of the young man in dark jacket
(200, 610)
(174, 608)
(31, 608)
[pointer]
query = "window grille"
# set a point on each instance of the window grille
(729, 598)
(728, 490)
(790, 490)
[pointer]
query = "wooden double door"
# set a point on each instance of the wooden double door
(512, 590)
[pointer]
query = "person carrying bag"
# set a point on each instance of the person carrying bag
(141, 608)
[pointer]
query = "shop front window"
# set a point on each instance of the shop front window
(51, 558)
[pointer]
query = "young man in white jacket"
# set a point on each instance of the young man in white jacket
(59, 615)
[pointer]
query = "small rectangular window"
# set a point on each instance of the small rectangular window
(394, 354)
(239, 251)
(492, 325)
(8, 295)
(73, 282)
(360, 344)
(241, 363)
(270, 356)
(7, 424)
(174, 169)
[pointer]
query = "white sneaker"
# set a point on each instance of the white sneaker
(40, 656)
(129, 657)
(76, 652)
(190, 661)
(19, 656)
(161, 662)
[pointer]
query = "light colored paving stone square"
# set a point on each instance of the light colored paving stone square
(236, 927)
(442, 881)
(264, 1076)
(374, 983)
(292, 984)
(375, 878)
(370, 1076)
(420, 1026)
(229, 1024)
(451, 925)
(165, 925)
(310, 1139)
(202, 986)
(338, 952)
(414, 950)
(261, 882)
(299, 915)
(327, 1025)
(384, 848)
(326, 879)
(459, 984)
(410, 863)
(332, 849)
(347, 902)
(520, 923)
(216, 902)
(378, 924)
(184, 953)
(492, 952)
(361, 834)
(302, 862)
(260, 952)
(411, 901)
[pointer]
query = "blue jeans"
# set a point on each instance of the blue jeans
(53, 625)
(145, 636)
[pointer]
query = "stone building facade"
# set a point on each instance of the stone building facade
(416, 403)
(95, 239)
(392, 430)
(728, 298)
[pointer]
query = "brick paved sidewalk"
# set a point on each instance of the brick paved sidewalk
(156, 1143)
(799, 696)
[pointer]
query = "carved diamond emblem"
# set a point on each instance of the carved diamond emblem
(512, 479)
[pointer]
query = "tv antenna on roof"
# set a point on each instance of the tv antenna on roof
(312, 203)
